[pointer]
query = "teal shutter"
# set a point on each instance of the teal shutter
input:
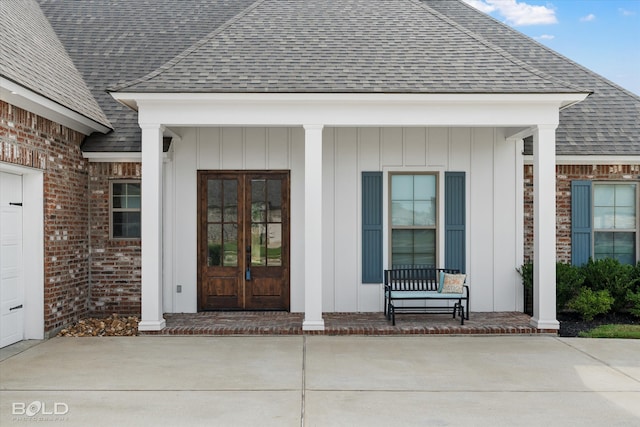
(580, 222)
(372, 227)
(454, 221)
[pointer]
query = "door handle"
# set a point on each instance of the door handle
(16, 307)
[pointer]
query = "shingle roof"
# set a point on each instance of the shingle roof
(265, 46)
(606, 123)
(32, 56)
(111, 41)
(347, 46)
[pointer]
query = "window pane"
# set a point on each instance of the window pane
(626, 218)
(402, 213)
(126, 224)
(133, 202)
(604, 195)
(118, 189)
(603, 217)
(258, 200)
(626, 195)
(413, 247)
(424, 187)
(401, 187)
(620, 246)
(424, 213)
(118, 202)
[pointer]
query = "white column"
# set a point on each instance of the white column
(544, 228)
(313, 228)
(152, 319)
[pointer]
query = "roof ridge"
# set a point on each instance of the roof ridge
(181, 56)
(551, 51)
(500, 51)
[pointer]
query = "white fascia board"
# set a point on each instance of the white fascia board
(119, 156)
(26, 99)
(233, 109)
(591, 160)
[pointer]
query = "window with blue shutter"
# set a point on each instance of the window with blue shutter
(454, 221)
(580, 222)
(372, 268)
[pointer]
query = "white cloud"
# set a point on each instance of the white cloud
(517, 13)
(625, 12)
(545, 37)
(590, 17)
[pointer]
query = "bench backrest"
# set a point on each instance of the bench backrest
(415, 278)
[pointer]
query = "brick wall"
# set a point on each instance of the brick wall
(30, 140)
(115, 264)
(564, 175)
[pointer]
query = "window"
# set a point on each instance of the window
(413, 219)
(615, 221)
(125, 209)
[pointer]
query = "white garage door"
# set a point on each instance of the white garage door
(11, 265)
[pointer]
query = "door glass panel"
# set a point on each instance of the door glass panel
(214, 245)
(230, 201)
(274, 244)
(258, 245)
(214, 200)
(258, 200)
(230, 238)
(274, 194)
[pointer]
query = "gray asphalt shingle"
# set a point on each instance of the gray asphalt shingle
(402, 46)
(347, 46)
(32, 56)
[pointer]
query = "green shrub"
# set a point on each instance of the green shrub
(633, 299)
(608, 274)
(589, 303)
(526, 272)
(569, 280)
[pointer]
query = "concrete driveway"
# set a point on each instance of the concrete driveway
(323, 381)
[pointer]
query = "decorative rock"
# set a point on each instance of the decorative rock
(113, 325)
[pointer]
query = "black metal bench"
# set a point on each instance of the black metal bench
(421, 284)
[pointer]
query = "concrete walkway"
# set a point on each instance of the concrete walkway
(323, 381)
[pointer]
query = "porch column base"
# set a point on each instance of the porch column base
(544, 324)
(152, 325)
(313, 325)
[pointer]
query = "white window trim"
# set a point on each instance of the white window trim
(111, 208)
(594, 184)
(386, 210)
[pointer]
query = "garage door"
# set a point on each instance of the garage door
(11, 270)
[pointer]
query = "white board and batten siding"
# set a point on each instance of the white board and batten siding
(493, 192)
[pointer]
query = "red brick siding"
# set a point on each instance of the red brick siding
(564, 175)
(115, 264)
(30, 140)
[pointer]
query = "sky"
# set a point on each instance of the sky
(602, 35)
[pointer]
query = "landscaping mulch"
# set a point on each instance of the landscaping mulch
(571, 324)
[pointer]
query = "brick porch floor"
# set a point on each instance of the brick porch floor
(283, 323)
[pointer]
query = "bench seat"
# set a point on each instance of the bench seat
(421, 284)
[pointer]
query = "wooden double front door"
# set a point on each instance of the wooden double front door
(243, 240)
